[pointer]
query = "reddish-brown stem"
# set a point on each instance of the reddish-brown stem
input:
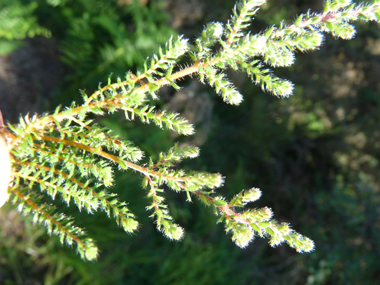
(225, 209)
(71, 179)
(38, 148)
(154, 193)
(98, 151)
(49, 217)
(323, 19)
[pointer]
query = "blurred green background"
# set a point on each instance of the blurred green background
(315, 155)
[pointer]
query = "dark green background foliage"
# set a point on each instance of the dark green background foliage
(315, 155)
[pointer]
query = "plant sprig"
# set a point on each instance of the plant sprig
(65, 154)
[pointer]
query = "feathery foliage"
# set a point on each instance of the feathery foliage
(17, 22)
(65, 154)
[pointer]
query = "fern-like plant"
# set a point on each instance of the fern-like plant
(65, 154)
(17, 22)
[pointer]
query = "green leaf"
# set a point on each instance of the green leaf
(122, 164)
(220, 203)
(153, 87)
(298, 20)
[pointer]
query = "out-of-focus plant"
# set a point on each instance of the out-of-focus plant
(18, 22)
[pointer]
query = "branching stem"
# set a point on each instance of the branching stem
(114, 158)
(49, 217)
(227, 211)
